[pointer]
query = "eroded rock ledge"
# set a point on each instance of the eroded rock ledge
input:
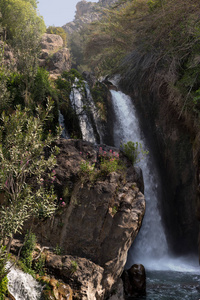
(99, 222)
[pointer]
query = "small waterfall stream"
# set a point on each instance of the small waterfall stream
(23, 286)
(96, 117)
(79, 107)
(165, 273)
(64, 133)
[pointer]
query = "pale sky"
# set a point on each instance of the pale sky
(58, 12)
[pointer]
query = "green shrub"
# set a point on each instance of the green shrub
(3, 287)
(109, 165)
(41, 88)
(58, 250)
(4, 258)
(28, 248)
(89, 170)
(106, 163)
(39, 265)
(74, 266)
(134, 151)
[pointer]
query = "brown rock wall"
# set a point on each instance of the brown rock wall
(102, 217)
(54, 57)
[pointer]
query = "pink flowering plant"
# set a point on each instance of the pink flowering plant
(106, 163)
(109, 161)
(26, 173)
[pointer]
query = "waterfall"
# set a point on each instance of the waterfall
(87, 113)
(64, 133)
(96, 117)
(23, 286)
(150, 247)
(79, 107)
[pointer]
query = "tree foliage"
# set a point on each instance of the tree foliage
(5, 96)
(16, 14)
(163, 27)
(77, 41)
(24, 168)
(153, 43)
(22, 30)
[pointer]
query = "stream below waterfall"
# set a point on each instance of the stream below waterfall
(168, 278)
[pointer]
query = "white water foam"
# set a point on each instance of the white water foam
(23, 286)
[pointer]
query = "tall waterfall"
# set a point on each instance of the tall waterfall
(150, 247)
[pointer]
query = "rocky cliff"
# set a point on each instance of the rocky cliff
(54, 56)
(97, 221)
(87, 12)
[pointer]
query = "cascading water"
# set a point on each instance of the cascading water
(151, 244)
(150, 247)
(94, 112)
(23, 286)
(79, 108)
(64, 133)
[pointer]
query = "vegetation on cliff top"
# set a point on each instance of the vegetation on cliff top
(151, 43)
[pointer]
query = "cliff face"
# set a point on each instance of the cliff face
(87, 12)
(100, 219)
(54, 56)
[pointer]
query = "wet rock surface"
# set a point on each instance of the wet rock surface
(135, 281)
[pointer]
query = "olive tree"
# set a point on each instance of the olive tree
(26, 171)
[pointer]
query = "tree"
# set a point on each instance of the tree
(16, 14)
(26, 44)
(32, 2)
(5, 97)
(26, 173)
(24, 29)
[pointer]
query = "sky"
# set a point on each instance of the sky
(58, 12)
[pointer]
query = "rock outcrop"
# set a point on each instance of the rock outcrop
(85, 276)
(98, 219)
(54, 57)
(87, 12)
(135, 281)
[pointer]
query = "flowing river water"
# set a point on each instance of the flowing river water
(168, 277)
